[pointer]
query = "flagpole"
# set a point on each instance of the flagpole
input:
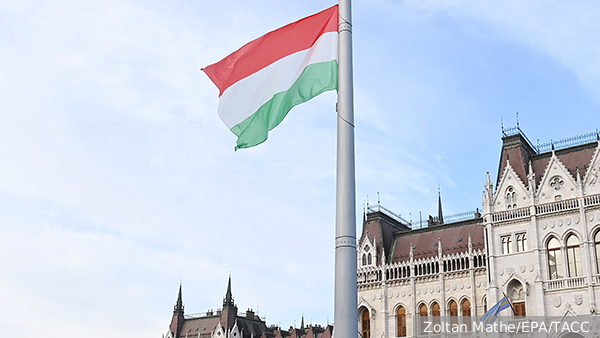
(346, 293)
(509, 303)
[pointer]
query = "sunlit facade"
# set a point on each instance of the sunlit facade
(536, 240)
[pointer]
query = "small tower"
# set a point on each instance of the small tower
(228, 300)
(229, 313)
(178, 318)
(440, 214)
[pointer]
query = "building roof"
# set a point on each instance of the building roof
(394, 238)
(425, 242)
(250, 325)
(517, 150)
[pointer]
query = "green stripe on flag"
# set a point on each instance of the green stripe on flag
(315, 79)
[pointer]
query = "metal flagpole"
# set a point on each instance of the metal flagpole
(346, 294)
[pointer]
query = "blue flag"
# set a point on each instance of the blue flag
(491, 316)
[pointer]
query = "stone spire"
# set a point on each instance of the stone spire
(179, 303)
(531, 180)
(178, 318)
(229, 311)
(440, 214)
(228, 300)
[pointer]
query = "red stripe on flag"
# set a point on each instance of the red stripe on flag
(273, 46)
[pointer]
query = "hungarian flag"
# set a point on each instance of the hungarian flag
(262, 81)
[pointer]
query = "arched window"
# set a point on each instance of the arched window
(423, 317)
(517, 297)
(466, 313)
(369, 259)
(435, 313)
(506, 244)
(453, 309)
(366, 324)
(453, 312)
(555, 262)
(364, 259)
(511, 198)
(574, 265)
(597, 246)
(521, 242)
(401, 321)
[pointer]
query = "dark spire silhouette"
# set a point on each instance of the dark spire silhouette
(228, 300)
(178, 318)
(179, 304)
(440, 214)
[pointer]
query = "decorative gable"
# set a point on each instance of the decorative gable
(235, 332)
(367, 252)
(557, 183)
(219, 332)
(591, 181)
(511, 193)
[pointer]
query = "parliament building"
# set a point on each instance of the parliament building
(535, 241)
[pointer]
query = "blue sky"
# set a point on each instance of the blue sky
(118, 179)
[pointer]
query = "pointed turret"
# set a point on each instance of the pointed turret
(178, 308)
(440, 214)
(229, 312)
(178, 317)
(228, 300)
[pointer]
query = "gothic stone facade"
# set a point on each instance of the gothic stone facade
(537, 241)
(227, 323)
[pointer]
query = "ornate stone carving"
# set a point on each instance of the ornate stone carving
(556, 301)
(594, 176)
(557, 183)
